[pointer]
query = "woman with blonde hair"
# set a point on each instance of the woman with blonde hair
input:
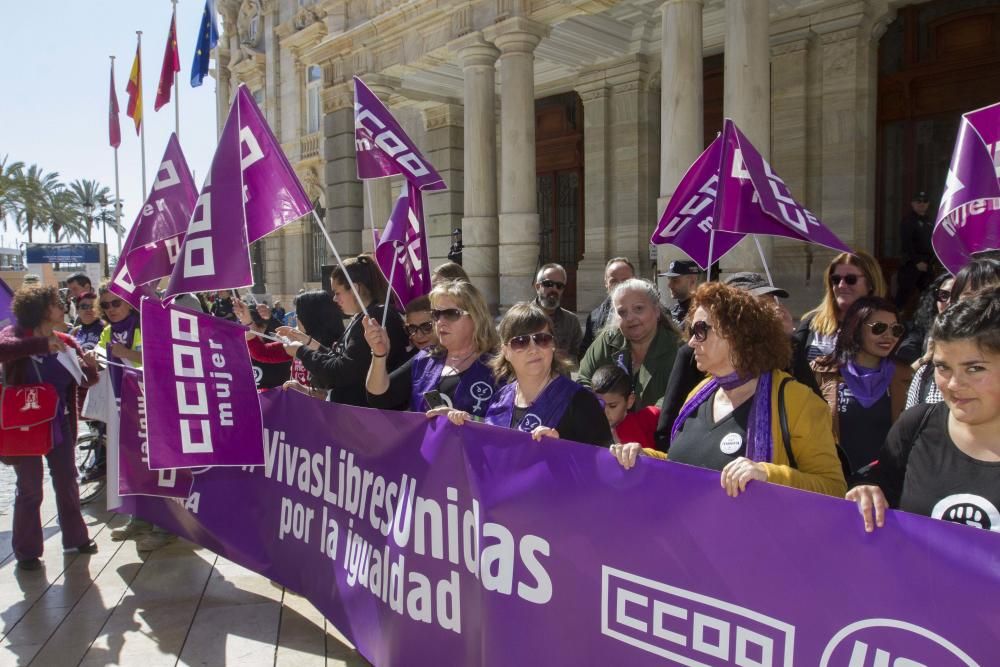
(848, 277)
(453, 373)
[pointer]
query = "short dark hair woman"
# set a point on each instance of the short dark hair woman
(37, 310)
(942, 460)
(539, 397)
(732, 422)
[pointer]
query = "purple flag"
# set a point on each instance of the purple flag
(404, 241)
(383, 148)
(198, 374)
(6, 298)
(273, 194)
(968, 218)
(134, 475)
(215, 254)
(431, 544)
(731, 188)
(121, 282)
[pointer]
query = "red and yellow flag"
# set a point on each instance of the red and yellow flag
(171, 64)
(134, 90)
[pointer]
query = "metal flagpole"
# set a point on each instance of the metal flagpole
(142, 134)
(763, 261)
(177, 88)
(340, 262)
(118, 206)
(389, 293)
(711, 247)
(369, 213)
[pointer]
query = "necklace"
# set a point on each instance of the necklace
(540, 392)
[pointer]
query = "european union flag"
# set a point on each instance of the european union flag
(208, 37)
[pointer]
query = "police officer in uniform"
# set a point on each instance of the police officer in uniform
(682, 279)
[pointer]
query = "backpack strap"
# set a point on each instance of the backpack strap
(786, 435)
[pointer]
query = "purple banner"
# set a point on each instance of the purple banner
(431, 544)
(134, 475)
(215, 254)
(274, 196)
(198, 374)
(151, 245)
(404, 241)
(968, 218)
(6, 299)
(382, 148)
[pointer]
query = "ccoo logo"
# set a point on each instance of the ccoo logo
(885, 642)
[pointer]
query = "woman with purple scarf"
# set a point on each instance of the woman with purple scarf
(455, 373)
(539, 398)
(748, 419)
(864, 386)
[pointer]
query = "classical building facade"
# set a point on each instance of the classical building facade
(562, 127)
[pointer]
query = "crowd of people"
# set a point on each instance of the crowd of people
(855, 401)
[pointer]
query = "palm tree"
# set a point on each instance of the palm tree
(63, 216)
(89, 196)
(8, 187)
(34, 188)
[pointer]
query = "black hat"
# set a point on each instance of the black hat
(921, 197)
(755, 284)
(680, 267)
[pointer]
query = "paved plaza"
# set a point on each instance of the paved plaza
(179, 605)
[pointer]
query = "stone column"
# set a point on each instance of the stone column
(596, 97)
(517, 38)
(480, 227)
(442, 144)
(747, 99)
(345, 208)
(681, 104)
(377, 191)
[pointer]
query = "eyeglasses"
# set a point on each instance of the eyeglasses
(542, 339)
(425, 328)
(85, 306)
(849, 279)
(114, 303)
(942, 295)
(895, 330)
(548, 284)
(448, 314)
(699, 330)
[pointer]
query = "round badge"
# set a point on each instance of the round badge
(731, 443)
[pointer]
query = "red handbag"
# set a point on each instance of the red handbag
(26, 414)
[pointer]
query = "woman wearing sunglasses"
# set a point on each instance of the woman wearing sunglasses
(848, 278)
(89, 328)
(121, 339)
(943, 460)
(640, 337)
(420, 324)
(453, 373)
(917, 339)
(748, 419)
(861, 382)
(342, 367)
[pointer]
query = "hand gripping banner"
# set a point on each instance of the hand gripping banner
(431, 544)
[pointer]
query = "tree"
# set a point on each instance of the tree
(9, 172)
(88, 197)
(63, 216)
(34, 187)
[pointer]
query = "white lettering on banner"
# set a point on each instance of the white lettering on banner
(386, 140)
(191, 378)
(994, 151)
(164, 478)
(199, 255)
(122, 280)
(705, 197)
(918, 642)
(413, 247)
(254, 152)
(173, 248)
(690, 628)
(959, 216)
(167, 176)
(798, 217)
(952, 186)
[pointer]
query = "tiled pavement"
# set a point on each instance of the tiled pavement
(179, 605)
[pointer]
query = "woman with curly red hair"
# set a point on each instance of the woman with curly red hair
(748, 419)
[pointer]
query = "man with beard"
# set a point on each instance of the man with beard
(550, 282)
(682, 279)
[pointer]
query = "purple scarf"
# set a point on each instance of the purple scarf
(547, 409)
(759, 438)
(868, 385)
(473, 394)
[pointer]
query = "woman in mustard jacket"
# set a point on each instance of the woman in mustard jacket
(732, 422)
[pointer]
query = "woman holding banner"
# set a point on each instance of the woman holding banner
(33, 352)
(848, 278)
(343, 366)
(942, 460)
(455, 372)
(538, 397)
(749, 419)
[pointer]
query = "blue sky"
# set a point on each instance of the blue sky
(54, 80)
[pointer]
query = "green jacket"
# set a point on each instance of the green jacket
(650, 381)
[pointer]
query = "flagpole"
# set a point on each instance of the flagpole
(340, 262)
(118, 203)
(177, 88)
(711, 247)
(763, 261)
(392, 273)
(368, 210)
(142, 133)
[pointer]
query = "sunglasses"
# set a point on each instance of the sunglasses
(85, 306)
(699, 330)
(548, 284)
(849, 279)
(114, 303)
(413, 329)
(942, 295)
(542, 339)
(895, 330)
(448, 314)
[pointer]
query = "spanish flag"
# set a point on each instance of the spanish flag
(134, 90)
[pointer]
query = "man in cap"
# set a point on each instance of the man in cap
(550, 282)
(682, 279)
(917, 270)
